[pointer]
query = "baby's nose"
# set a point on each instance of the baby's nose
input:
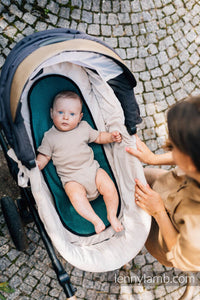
(66, 116)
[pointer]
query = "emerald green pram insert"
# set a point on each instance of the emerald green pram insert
(40, 98)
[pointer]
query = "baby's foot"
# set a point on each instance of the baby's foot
(116, 224)
(99, 227)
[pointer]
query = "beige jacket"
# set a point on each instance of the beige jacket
(181, 196)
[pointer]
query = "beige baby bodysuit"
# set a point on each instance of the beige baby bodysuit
(71, 155)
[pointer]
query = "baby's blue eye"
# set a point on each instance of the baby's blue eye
(72, 114)
(60, 112)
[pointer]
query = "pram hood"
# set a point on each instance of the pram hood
(107, 83)
(27, 55)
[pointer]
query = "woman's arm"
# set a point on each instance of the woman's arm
(108, 137)
(167, 229)
(152, 203)
(144, 154)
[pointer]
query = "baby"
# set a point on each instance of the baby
(66, 143)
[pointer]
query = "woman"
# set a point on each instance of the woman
(174, 199)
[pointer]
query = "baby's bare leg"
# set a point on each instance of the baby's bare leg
(78, 197)
(107, 188)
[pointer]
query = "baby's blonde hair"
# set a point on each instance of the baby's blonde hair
(67, 95)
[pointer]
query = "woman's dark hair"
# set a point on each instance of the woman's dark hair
(184, 127)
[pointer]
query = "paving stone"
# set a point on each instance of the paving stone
(28, 31)
(87, 284)
(40, 26)
(121, 52)
(3, 24)
(124, 42)
(112, 42)
(157, 83)
(159, 41)
(4, 263)
(53, 7)
(162, 57)
(139, 260)
(138, 65)
(31, 281)
(15, 281)
(29, 19)
(93, 29)
(160, 292)
(53, 19)
(15, 10)
(124, 18)
(149, 122)
(11, 271)
(4, 249)
(150, 109)
(10, 31)
(106, 30)
(65, 24)
(157, 72)
(23, 271)
(148, 86)
(152, 145)
(96, 5)
(151, 62)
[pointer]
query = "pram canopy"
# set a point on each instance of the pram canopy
(23, 60)
(38, 68)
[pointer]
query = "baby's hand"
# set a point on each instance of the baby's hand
(116, 136)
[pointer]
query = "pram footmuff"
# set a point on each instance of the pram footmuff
(39, 67)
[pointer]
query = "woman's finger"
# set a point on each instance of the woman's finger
(140, 204)
(139, 193)
(132, 151)
(139, 143)
(144, 188)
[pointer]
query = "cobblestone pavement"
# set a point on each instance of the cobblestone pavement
(160, 42)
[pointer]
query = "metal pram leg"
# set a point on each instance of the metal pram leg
(62, 275)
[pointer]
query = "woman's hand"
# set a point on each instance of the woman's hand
(148, 199)
(152, 203)
(143, 153)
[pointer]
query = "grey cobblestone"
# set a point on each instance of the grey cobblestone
(159, 41)
(106, 30)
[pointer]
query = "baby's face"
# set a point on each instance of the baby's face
(66, 114)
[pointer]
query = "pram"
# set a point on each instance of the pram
(38, 67)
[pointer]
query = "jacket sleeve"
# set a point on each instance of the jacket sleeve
(185, 254)
(123, 90)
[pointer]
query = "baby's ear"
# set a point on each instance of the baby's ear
(81, 116)
(51, 112)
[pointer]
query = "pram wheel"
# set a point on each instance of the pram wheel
(14, 223)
